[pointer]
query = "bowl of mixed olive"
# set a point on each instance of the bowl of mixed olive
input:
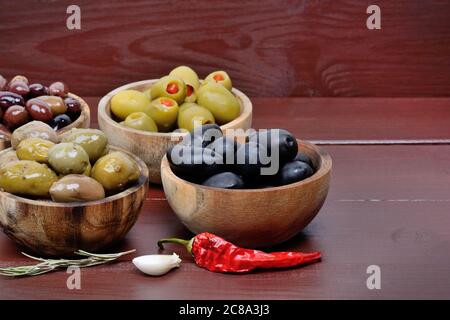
(225, 186)
(62, 193)
(22, 102)
(147, 117)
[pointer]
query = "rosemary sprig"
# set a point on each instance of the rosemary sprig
(48, 265)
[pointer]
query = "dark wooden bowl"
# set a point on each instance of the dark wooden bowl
(152, 146)
(251, 217)
(83, 121)
(58, 229)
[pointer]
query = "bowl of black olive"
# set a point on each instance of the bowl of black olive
(256, 190)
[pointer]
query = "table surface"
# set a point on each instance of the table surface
(388, 205)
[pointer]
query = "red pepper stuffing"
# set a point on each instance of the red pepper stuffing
(189, 90)
(216, 254)
(218, 77)
(172, 88)
(166, 102)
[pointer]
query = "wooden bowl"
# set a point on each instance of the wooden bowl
(58, 229)
(83, 121)
(150, 146)
(251, 217)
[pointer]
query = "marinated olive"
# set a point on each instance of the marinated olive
(279, 141)
(294, 171)
(194, 116)
(126, 102)
(225, 180)
(73, 107)
(115, 171)
(93, 141)
(56, 104)
(37, 89)
(222, 103)
(59, 89)
(220, 77)
(61, 121)
(164, 112)
(227, 148)
(75, 188)
(303, 157)
(88, 170)
(3, 83)
(171, 87)
(193, 163)
(202, 136)
(140, 121)
(26, 177)
(19, 87)
(67, 158)
(35, 149)
(33, 129)
(15, 116)
(39, 110)
(8, 99)
(8, 157)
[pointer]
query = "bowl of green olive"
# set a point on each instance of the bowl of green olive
(149, 116)
(221, 185)
(59, 194)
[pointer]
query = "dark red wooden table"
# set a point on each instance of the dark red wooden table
(389, 205)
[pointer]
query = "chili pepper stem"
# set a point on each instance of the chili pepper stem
(186, 243)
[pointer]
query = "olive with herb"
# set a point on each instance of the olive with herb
(67, 158)
(93, 141)
(35, 149)
(76, 188)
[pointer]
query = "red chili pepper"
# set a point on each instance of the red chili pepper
(216, 254)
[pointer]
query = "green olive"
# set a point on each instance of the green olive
(25, 177)
(93, 141)
(75, 187)
(67, 158)
(164, 112)
(185, 106)
(220, 77)
(193, 116)
(171, 87)
(115, 171)
(190, 78)
(35, 149)
(126, 102)
(222, 103)
(8, 156)
(33, 129)
(140, 121)
(148, 93)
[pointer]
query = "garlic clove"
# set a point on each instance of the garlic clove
(157, 264)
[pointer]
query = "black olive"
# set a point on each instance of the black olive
(277, 139)
(194, 163)
(293, 172)
(227, 148)
(37, 90)
(8, 99)
(202, 136)
(225, 180)
(303, 157)
(60, 121)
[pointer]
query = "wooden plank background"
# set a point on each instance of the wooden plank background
(270, 48)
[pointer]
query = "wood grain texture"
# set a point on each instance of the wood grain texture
(251, 218)
(152, 146)
(270, 48)
(59, 229)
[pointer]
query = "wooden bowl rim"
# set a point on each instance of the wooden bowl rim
(325, 168)
(247, 109)
(143, 179)
(85, 113)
